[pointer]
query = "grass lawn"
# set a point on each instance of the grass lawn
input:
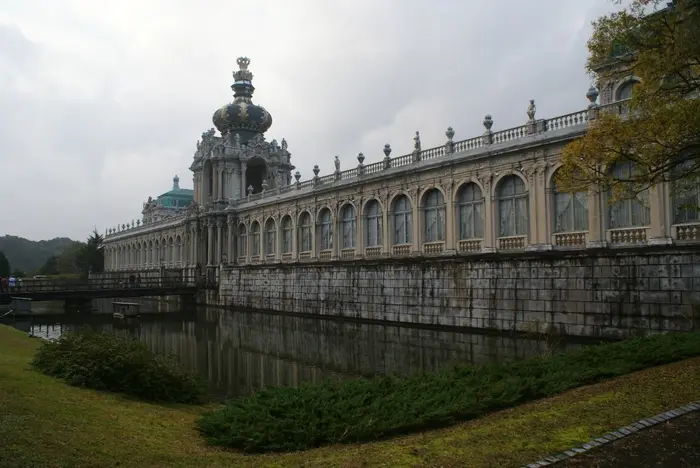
(46, 423)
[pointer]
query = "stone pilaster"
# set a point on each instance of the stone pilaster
(210, 242)
(490, 228)
(596, 218)
(219, 241)
(230, 254)
(660, 216)
(450, 217)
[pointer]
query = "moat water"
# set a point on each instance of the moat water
(239, 352)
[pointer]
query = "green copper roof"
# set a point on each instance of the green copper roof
(177, 197)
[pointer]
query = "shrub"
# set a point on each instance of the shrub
(103, 361)
(283, 419)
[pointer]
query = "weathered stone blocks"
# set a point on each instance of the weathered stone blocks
(610, 292)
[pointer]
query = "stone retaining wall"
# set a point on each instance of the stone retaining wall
(606, 292)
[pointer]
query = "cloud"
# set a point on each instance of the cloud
(103, 101)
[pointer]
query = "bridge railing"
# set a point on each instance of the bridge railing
(99, 284)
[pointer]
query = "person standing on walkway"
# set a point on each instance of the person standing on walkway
(11, 283)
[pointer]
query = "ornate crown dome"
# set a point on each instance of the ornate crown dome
(242, 116)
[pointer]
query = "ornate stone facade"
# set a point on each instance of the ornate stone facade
(493, 192)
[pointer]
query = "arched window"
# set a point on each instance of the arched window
(242, 241)
(686, 194)
(625, 91)
(633, 210)
(373, 217)
(287, 234)
(512, 207)
(348, 226)
(325, 230)
(255, 239)
(270, 236)
(470, 204)
(402, 220)
(433, 216)
(570, 210)
(304, 234)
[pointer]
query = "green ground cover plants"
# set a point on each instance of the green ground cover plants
(287, 419)
(102, 361)
(46, 423)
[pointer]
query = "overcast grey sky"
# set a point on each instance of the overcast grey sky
(103, 101)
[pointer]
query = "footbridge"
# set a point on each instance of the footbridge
(80, 290)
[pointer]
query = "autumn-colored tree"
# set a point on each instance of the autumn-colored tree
(659, 43)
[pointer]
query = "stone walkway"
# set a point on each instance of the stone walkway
(671, 444)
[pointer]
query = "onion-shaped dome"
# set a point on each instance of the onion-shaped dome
(242, 115)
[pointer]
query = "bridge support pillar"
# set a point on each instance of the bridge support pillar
(78, 304)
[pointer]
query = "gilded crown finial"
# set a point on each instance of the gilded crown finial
(243, 74)
(243, 63)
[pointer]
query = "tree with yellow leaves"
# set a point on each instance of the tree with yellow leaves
(658, 43)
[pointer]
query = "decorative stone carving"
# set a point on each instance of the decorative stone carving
(531, 110)
(449, 145)
(316, 170)
(487, 137)
(488, 122)
(250, 190)
(264, 185)
(337, 164)
(416, 143)
(360, 166)
(387, 157)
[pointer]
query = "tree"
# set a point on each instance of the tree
(19, 273)
(68, 262)
(50, 267)
(4, 265)
(661, 138)
(91, 256)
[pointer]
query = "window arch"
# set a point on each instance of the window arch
(325, 230)
(632, 211)
(470, 206)
(402, 219)
(348, 226)
(433, 216)
(512, 206)
(242, 241)
(255, 239)
(287, 234)
(305, 239)
(570, 209)
(625, 90)
(373, 220)
(686, 194)
(270, 236)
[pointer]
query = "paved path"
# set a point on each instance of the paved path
(672, 444)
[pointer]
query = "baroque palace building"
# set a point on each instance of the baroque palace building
(493, 192)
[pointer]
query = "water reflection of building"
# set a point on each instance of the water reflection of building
(239, 353)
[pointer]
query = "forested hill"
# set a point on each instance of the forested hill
(26, 255)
